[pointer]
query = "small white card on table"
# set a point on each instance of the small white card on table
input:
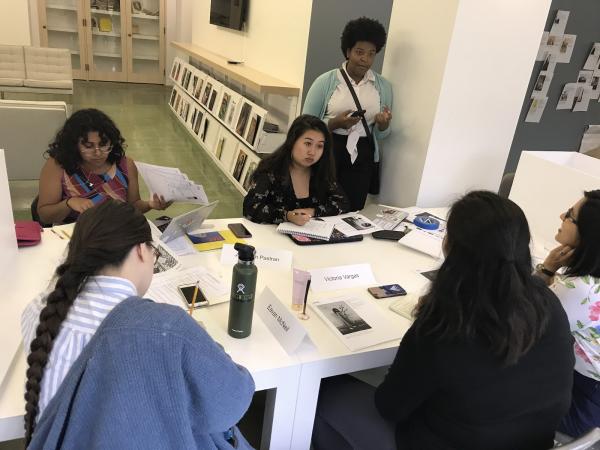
(265, 257)
(284, 325)
(341, 277)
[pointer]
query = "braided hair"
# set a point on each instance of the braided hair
(103, 237)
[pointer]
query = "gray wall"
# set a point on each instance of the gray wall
(327, 21)
(560, 130)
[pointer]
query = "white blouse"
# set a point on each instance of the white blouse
(341, 100)
(580, 298)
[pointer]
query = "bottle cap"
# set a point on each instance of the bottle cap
(245, 252)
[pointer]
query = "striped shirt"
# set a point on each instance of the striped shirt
(97, 298)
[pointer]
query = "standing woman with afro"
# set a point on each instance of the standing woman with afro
(356, 148)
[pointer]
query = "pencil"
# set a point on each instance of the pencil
(194, 299)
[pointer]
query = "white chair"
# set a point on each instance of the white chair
(12, 65)
(585, 442)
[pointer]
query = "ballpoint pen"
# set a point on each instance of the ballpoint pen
(303, 314)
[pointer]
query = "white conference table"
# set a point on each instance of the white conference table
(292, 380)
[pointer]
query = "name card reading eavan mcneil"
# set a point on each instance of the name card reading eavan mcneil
(341, 277)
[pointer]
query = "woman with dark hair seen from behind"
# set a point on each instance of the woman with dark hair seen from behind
(578, 289)
(355, 149)
(487, 363)
(87, 165)
(297, 181)
(99, 352)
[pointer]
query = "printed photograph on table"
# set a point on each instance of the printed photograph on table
(253, 129)
(243, 119)
(206, 95)
(224, 105)
(198, 89)
(343, 317)
(240, 162)
(357, 223)
(248, 176)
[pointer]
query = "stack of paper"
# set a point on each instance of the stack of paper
(171, 183)
(313, 228)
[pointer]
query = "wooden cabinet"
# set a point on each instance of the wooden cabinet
(109, 40)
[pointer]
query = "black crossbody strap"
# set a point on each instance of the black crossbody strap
(356, 101)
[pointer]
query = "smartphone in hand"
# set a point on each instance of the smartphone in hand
(187, 293)
(358, 113)
(387, 290)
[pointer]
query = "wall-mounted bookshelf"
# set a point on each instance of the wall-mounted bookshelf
(228, 126)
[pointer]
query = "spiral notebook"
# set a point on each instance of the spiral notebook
(314, 228)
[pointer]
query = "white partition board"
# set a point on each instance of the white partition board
(26, 129)
(548, 183)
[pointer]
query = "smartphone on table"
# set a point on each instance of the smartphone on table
(392, 235)
(387, 290)
(358, 113)
(239, 230)
(187, 292)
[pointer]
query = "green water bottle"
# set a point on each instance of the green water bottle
(243, 286)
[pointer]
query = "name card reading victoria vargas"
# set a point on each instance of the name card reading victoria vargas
(341, 277)
(265, 257)
(280, 321)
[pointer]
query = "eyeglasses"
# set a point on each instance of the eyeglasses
(155, 250)
(569, 215)
(90, 148)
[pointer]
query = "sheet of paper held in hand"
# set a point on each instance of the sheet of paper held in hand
(171, 183)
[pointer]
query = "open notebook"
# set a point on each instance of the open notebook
(313, 228)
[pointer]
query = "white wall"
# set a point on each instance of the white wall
(14, 22)
(275, 43)
(415, 57)
(489, 60)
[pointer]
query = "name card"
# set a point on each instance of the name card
(265, 257)
(284, 325)
(341, 277)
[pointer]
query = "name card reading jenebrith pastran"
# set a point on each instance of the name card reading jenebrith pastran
(341, 277)
(265, 257)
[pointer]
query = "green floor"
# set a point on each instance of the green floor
(153, 135)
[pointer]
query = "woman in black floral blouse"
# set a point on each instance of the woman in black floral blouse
(297, 181)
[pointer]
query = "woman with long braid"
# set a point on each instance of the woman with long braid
(108, 369)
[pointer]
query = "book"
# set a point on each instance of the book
(313, 228)
(212, 242)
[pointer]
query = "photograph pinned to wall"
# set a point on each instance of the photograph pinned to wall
(591, 63)
(194, 83)
(177, 100)
(174, 69)
(178, 71)
(233, 107)
(193, 117)
(536, 109)
(567, 97)
(215, 95)
(173, 95)
(224, 105)
(184, 77)
(565, 49)
(559, 24)
(240, 162)
(542, 84)
(206, 95)
(243, 119)
(186, 111)
(583, 95)
(248, 177)
(213, 98)
(220, 145)
(198, 122)
(595, 94)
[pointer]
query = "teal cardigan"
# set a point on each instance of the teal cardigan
(322, 89)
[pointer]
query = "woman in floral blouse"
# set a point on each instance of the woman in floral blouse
(578, 288)
(297, 181)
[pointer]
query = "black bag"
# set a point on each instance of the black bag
(375, 177)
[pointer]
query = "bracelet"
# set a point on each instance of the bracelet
(67, 203)
(540, 268)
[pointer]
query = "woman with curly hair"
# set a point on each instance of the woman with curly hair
(356, 133)
(86, 166)
(572, 270)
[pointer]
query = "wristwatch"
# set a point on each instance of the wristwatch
(540, 268)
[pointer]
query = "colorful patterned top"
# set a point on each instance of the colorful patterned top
(98, 187)
(580, 298)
